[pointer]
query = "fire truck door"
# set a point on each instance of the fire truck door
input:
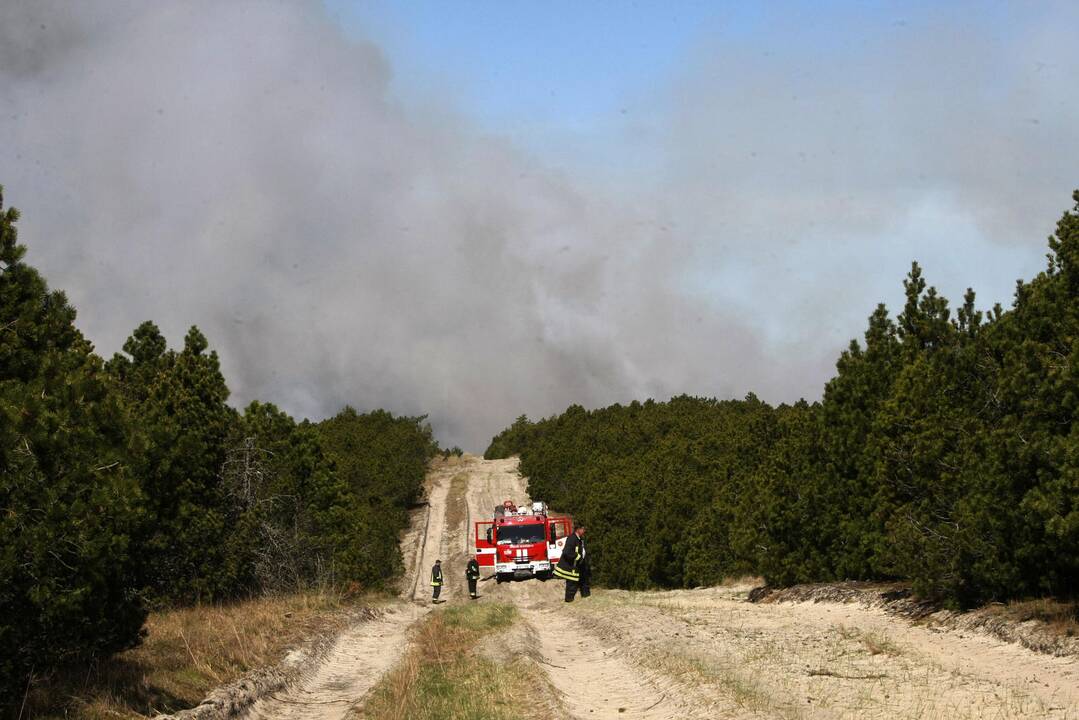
(559, 530)
(485, 547)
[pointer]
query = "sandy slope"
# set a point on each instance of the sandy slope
(433, 543)
(692, 653)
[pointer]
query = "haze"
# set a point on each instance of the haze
(481, 210)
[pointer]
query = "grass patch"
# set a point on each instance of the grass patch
(1062, 618)
(875, 643)
(443, 677)
(186, 653)
(480, 619)
(456, 507)
(685, 668)
(880, 644)
(742, 690)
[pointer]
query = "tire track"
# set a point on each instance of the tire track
(358, 659)
(593, 678)
(434, 539)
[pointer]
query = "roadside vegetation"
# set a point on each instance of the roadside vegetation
(446, 676)
(1062, 618)
(186, 653)
(130, 484)
(944, 453)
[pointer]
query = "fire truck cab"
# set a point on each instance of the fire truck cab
(520, 542)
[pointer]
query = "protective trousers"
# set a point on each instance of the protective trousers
(582, 583)
(571, 590)
(472, 588)
(436, 590)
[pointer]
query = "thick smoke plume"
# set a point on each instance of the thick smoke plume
(244, 167)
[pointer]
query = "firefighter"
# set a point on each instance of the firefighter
(573, 565)
(436, 581)
(472, 574)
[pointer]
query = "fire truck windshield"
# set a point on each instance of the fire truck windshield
(519, 534)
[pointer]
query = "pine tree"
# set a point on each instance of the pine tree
(379, 462)
(68, 503)
(182, 422)
(1036, 444)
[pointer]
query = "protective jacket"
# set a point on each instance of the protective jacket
(436, 575)
(573, 559)
(472, 570)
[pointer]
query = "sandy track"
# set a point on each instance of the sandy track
(593, 677)
(688, 653)
(434, 540)
(358, 659)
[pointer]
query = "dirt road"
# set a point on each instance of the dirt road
(693, 653)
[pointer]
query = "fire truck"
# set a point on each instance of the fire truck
(520, 542)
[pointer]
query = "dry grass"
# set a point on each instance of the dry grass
(439, 463)
(880, 644)
(456, 508)
(1061, 618)
(734, 683)
(444, 677)
(875, 643)
(739, 581)
(187, 652)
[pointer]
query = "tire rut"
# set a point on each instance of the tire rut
(593, 678)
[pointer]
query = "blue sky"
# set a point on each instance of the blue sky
(564, 64)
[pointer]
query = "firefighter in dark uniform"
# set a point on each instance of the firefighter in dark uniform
(472, 574)
(436, 580)
(573, 565)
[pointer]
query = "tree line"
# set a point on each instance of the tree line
(130, 483)
(944, 451)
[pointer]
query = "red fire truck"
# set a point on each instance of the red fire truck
(520, 542)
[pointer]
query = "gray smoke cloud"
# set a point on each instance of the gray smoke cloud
(244, 167)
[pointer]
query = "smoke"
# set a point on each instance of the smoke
(244, 167)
